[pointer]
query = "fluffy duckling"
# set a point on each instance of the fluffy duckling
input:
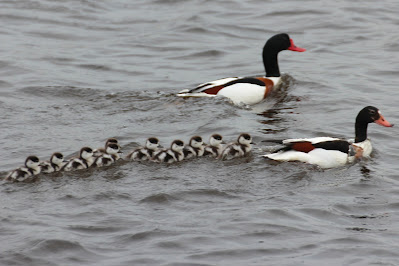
(31, 168)
(215, 147)
(97, 152)
(237, 149)
(145, 153)
(174, 154)
(55, 163)
(110, 156)
(195, 148)
(84, 161)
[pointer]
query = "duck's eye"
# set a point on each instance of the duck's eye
(153, 141)
(372, 112)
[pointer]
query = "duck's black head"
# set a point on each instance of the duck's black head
(273, 46)
(280, 42)
(368, 114)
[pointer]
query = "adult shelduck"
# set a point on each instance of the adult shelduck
(328, 152)
(249, 90)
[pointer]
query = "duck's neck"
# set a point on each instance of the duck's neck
(270, 62)
(360, 131)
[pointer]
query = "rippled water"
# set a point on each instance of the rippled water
(73, 73)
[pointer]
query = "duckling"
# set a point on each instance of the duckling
(55, 163)
(215, 147)
(195, 148)
(97, 152)
(237, 149)
(145, 153)
(110, 156)
(174, 154)
(31, 168)
(84, 161)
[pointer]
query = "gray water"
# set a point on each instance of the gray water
(74, 73)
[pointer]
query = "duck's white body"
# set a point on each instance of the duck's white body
(238, 93)
(365, 146)
(318, 156)
(249, 93)
(199, 90)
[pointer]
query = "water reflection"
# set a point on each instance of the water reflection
(366, 173)
(275, 107)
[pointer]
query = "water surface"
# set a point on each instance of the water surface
(74, 73)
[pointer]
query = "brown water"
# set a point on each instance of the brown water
(73, 73)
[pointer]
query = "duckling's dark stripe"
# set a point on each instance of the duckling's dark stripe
(55, 167)
(168, 158)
